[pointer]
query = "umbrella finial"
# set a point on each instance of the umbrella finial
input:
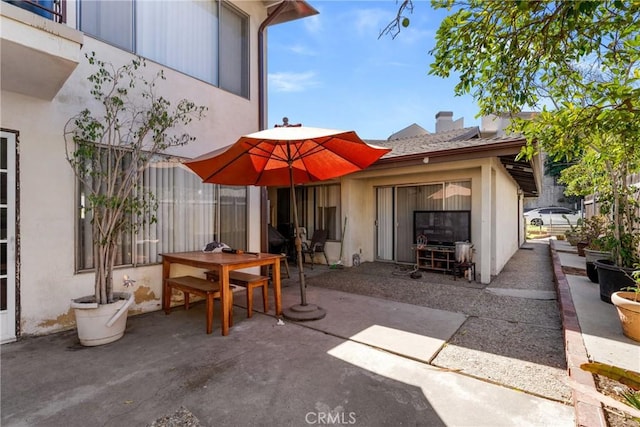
(285, 124)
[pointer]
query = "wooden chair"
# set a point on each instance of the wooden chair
(316, 245)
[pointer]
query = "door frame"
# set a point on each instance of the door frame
(8, 317)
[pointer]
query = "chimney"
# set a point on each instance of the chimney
(444, 122)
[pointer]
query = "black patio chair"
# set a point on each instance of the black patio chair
(316, 245)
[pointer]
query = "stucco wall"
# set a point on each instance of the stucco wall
(414, 175)
(506, 218)
(46, 208)
(497, 232)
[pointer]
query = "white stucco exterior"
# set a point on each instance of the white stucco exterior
(46, 206)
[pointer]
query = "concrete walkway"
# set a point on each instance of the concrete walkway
(449, 353)
(592, 331)
(599, 322)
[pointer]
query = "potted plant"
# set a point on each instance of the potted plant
(574, 234)
(627, 303)
(622, 238)
(615, 274)
(593, 230)
(108, 149)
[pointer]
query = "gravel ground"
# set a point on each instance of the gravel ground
(510, 340)
(181, 418)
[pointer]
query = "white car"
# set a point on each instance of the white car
(551, 216)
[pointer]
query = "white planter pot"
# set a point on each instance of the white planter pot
(104, 323)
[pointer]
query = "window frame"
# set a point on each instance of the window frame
(220, 61)
(309, 205)
(83, 245)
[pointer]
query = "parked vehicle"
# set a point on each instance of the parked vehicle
(552, 215)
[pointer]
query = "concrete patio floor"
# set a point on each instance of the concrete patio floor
(391, 351)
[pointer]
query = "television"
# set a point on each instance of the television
(442, 228)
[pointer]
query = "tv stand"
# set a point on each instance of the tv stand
(438, 258)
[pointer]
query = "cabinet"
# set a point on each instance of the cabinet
(437, 258)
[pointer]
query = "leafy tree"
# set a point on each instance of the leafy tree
(109, 146)
(577, 62)
(510, 55)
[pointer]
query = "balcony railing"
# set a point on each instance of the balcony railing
(50, 9)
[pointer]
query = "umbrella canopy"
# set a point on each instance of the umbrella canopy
(451, 190)
(270, 157)
(288, 155)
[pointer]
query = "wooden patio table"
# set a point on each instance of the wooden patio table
(223, 263)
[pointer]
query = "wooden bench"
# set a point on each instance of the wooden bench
(249, 281)
(197, 286)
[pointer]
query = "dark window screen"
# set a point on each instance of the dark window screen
(442, 227)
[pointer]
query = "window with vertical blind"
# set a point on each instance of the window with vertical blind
(190, 214)
(319, 208)
(208, 40)
(446, 196)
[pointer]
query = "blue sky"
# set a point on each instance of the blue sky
(332, 71)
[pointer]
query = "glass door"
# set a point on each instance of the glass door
(385, 224)
(7, 237)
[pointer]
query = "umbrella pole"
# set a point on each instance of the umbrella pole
(298, 243)
(302, 311)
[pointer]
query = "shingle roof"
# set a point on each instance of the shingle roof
(442, 141)
(462, 142)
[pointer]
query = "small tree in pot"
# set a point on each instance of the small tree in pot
(603, 171)
(109, 149)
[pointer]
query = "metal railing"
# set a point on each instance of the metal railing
(50, 9)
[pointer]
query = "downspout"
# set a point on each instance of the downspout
(261, 70)
(264, 199)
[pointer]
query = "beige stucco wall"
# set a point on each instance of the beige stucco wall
(47, 281)
(494, 227)
(498, 231)
(507, 220)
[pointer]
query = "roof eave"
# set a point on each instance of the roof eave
(295, 9)
(461, 153)
(526, 173)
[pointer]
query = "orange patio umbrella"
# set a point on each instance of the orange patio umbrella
(288, 155)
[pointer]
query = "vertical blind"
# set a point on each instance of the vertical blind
(208, 40)
(384, 223)
(110, 21)
(181, 35)
(234, 52)
(451, 195)
(189, 215)
(319, 208)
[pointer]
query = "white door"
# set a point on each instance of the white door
(8, 237)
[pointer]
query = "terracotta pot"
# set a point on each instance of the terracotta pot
(612, 278)
(629, 313)
(101, 323)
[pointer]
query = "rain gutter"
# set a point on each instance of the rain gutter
(261, 68)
